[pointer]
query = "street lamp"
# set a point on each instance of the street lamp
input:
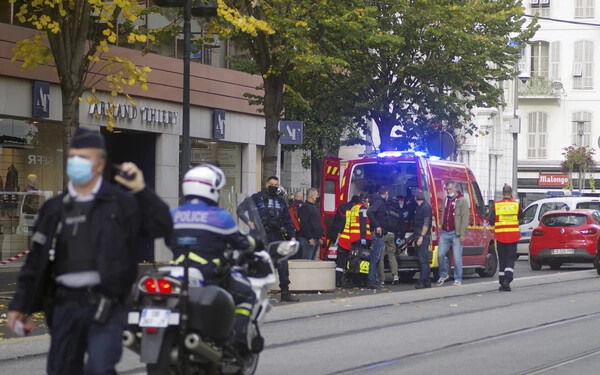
(515, 128)
(199, 8)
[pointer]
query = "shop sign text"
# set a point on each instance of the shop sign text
(128, 112)
(553, 180)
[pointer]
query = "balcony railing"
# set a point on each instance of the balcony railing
(538, 86)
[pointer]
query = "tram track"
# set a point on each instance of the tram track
(397, 361)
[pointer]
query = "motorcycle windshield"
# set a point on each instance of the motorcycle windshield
(244, 210)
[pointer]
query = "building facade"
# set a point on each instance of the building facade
(559, 105)
(225, 130)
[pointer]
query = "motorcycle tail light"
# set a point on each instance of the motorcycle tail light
(151, 330)
(164, 286)
(588, 231)
(150, 285)
(538, 232)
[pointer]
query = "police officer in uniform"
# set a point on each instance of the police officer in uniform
(213, 229)
(505, 217)
(84, 259)
(278, 224)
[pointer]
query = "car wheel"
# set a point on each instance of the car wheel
(555, 265)
(535, 266)
(491, 263)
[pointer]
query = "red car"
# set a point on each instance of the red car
(565, 237)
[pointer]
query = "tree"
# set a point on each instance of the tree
(279, 35)
(580, 160)
(429, 63)
(75, 36)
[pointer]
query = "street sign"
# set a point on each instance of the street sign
(292, 132)
(440, 144)
(41, 99)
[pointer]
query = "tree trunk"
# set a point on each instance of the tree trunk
(70, 109)
(273, 106)
(385, 128)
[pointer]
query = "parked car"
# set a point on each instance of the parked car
(565, 237)
(533, 213)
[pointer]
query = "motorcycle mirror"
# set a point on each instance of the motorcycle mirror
(283, 249)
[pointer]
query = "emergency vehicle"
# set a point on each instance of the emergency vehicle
(404, 172)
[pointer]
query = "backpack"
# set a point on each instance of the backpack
(294, 215)
(395, 219)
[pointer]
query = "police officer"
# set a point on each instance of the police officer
(422, 238)
(278, 224)
(505, 217)
(213, 229)
(84, 259)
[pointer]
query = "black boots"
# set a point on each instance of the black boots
(287, 297)
(504, 286)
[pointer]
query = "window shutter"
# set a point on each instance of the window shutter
(590, 9)
(579, 8)
(555, 60)
(588, 65)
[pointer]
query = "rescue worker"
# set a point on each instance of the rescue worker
(213, 228)
(339, 222)
(422, 235)
(378, 217)
(505, 217)
(278, 225)
(356, 235)
(84, 259)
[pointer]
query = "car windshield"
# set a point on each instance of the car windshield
(399, 177)
(564, 220)
(589, 205)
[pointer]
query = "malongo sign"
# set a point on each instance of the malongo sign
(553, 180)
(147, 115)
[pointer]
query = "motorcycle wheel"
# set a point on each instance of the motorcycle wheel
(163, 365)
(251, 363)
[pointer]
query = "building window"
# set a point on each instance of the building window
(541, 7)
(540, 59)
(581, 135)
(584, 8)
(537, 135)
(583, 65)
(555, 60)
(227, 156)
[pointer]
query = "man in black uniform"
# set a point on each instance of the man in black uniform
(84, 259)
(422, 232)
(278, 225)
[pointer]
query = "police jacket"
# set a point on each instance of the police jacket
(274, 213)
(117, 219)
(310, 221)
(212, 227)
(377, 213)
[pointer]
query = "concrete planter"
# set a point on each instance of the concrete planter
(310, 275)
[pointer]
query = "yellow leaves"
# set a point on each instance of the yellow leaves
(140, 38)
(144, 87)
(246, 24)
(301, 24)
(112, 38)
(131, 38)
(146, 69)
(32, 52)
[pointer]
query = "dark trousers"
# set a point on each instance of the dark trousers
(282, 266)
(507, 253)
(341, 264)
(73, 333)
(423, 254)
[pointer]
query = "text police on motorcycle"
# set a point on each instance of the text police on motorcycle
(278, 224)
(213, 228)
(84, 259)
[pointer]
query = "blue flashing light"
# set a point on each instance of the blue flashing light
(420, 153)
(433, 157)
(390, 154)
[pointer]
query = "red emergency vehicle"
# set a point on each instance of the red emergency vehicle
(403, 172)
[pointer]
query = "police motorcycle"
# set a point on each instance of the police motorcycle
(180, 324)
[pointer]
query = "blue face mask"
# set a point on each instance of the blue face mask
(450, 195)
(79, 170)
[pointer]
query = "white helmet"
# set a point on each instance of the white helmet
(205, 181)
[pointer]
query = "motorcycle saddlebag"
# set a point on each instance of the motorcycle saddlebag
(211, 312)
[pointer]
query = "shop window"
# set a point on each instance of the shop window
(227, 156)
(30, 173)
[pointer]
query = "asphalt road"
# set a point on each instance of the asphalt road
(546, 325)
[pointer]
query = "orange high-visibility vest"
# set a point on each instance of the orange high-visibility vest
(351, 232)
(507, 221)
